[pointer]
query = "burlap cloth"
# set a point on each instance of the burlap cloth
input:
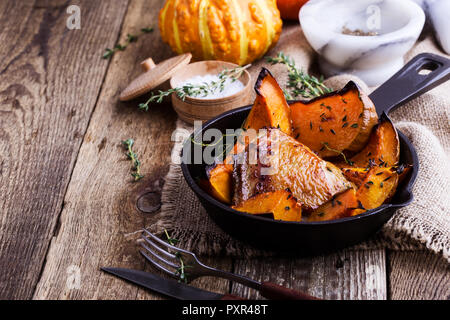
(425, 223)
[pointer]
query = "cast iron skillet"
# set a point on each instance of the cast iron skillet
(318, 237)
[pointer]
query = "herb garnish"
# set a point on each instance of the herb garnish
(299, 82)
(128, 144)
(196, 90)
(118, 47)
(349, 162)
(181, 272)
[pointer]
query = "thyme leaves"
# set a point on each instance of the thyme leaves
(299, 82)
(121, 47)
(196, 90)
(136, 168)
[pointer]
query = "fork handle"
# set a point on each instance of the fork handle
(274, 291)
(231, 297)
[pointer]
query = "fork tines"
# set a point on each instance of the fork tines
(156, 251)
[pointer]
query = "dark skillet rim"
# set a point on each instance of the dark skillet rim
(203, 194)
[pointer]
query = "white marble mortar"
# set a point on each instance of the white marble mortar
(374, 59)
(438, 13)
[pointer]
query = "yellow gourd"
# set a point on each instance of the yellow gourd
(238, 31)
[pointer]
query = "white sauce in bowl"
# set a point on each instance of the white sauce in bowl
(230, 87)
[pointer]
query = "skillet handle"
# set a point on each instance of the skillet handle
(408, 83)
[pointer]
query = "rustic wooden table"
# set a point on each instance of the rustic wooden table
(67, 201)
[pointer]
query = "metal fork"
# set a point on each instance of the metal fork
(166, 257)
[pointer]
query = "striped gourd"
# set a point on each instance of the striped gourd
(238, 31)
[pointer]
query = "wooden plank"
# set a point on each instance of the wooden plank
(50, 78)
(418, 275)
(345, 275)
(101, 198)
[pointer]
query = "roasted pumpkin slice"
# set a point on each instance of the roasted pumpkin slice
(338, 207)
(280, 203)
(355, 175)
(270, 108)
(383, 148)
(220, 174)
(337, 121)
(369, 120)
(403, 171)
(277, 162)
(220, 183)
(378, 187)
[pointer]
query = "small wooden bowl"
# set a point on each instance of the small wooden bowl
(192, 109)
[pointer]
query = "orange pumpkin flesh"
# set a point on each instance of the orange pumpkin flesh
(220, 183)
(270, 109)
(403, 171)
(339, 207)
(280, 203)
(379, 186)
(332, 123)
(383, 147)
(355, 175)
(284, 163)
(369, 120)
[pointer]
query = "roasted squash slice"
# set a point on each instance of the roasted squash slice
(280, 203)
(378, 187)
(277, 162)
(383, 148)
(403, 171)
(270, 108)
(337, 121)
(220, 183)
(355, 175)
(338, 207)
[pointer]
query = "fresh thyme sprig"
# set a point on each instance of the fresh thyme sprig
(128, 144)
(119, 47)
(299, 82)
(197, 90)
(181, 271)
(349, 162)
